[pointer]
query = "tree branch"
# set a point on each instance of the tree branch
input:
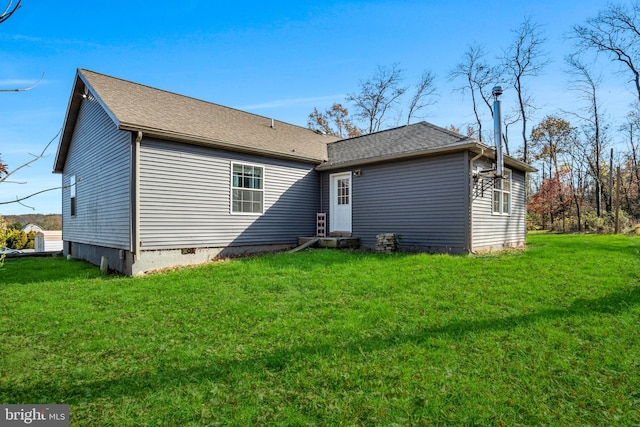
(6, 14)
(38, 157)
(20, 199)
(24, 89)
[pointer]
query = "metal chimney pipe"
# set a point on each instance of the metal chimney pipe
(497, 129)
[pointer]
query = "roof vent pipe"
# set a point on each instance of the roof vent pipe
(273, 124)
(497, 129)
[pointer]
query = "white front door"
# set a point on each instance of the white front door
(340, 194)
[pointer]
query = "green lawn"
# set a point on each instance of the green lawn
(548, 336)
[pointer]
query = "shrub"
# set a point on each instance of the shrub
(16, 239)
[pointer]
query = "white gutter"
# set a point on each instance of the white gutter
(473, 159)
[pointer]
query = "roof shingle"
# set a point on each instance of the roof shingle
(169, 115)
(405, 140)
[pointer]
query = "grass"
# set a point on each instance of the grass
(548, 336)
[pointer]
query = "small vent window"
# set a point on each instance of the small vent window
(72, 195)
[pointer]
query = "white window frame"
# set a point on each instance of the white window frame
(254, 190)
(502, 189)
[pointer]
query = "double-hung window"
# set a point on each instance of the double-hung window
(502, 194)
(247, 188)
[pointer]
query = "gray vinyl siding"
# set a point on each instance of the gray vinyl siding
(99, 157)
(185, 197)
(425, 201)
(493, 230)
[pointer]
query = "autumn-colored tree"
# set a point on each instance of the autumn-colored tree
(550, 138)
(333, 121)
(453, 128)
(552, 198)
(3, 168)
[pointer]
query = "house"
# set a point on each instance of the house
(45, 240)
(153, 179)
(432, 187)
(31, 227)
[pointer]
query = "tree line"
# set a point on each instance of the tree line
(577, 186)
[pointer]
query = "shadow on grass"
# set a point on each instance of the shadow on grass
(78, 390)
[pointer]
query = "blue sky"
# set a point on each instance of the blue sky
(278, 59)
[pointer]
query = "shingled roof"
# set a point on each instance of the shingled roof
(415, 140)
(158, 113)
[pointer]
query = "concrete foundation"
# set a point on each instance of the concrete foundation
(125, 262)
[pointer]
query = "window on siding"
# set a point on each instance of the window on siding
(502, 194)
(343, 191)
(72, 195)
(247, 193)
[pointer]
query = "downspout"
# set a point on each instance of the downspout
(136, 195)
(471, 198)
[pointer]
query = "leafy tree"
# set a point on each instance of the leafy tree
(551, 198)
(550, 138)
(333, 121)
(16, 239)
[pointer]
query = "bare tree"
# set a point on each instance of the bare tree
(522, 59)
(479, 78)
(586, 84)
(508, 120)
(616, 32)
(423, 96)
(631, 161)
(378, 95)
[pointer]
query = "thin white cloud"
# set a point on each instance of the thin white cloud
(50, 41)
(18, 82)
(279, 103)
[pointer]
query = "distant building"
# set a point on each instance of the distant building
(45, 240)
(31, 227)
